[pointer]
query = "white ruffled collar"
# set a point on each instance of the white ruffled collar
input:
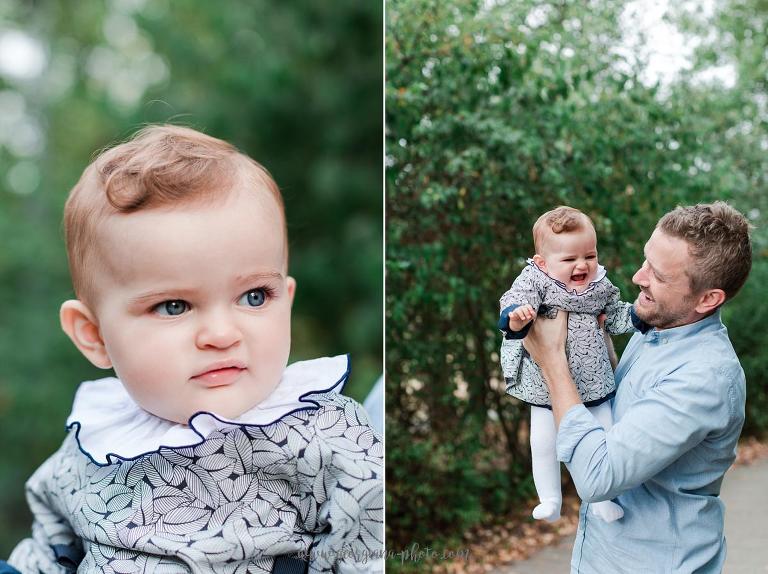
(111, 427)
(599, 276)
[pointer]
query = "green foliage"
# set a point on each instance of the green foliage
(497, 112)
(297, 86)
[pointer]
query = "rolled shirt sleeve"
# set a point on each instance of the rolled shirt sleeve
(664, 422)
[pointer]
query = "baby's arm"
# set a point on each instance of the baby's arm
(618, 315)
(519, 306)
(53, 548)
(343, 464)
(520, 317)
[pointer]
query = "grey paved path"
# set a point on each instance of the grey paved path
(745, 493)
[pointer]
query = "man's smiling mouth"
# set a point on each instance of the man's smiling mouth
(645, 297)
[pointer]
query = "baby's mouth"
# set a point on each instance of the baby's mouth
(579, 277)
(220, 373)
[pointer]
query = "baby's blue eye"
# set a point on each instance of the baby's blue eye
(254, 298)
(172, 308)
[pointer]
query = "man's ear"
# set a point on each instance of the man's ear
(710, 300)
(79, 323)
(290, 283)
(539, 261)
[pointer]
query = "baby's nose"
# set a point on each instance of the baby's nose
(218, 331)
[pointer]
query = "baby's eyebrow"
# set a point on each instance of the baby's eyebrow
(152, 295)
(258, 276)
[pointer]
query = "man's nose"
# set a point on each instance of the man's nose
(218, 330)
(641, 277)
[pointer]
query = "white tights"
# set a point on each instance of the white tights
(546, 467)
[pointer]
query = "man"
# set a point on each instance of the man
(678, 410)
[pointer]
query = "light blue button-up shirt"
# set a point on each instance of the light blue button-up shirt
(678, 413)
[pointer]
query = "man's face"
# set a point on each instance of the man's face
(194, 304)
(665, 299)
(571, 258)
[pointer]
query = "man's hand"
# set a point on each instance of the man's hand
(545, 341)
(520, 317)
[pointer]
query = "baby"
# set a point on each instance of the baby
(564, 274)
(206, 454)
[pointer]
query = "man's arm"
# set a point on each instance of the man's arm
(660, 426)
(546, 345)
(608, 343)
(665, 422)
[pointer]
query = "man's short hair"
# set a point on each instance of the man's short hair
(562, 219)
(160, 165)
(718, 242)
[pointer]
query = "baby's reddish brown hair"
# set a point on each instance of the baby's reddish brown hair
(562, 219)
(161, 165)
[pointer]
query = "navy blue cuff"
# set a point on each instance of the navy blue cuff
(68, 556)
(6, 568)
(290, 564)
(503, 324)
(639, 324)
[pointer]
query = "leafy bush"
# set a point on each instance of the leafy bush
(497, 112)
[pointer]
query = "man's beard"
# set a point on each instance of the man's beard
(662, 317)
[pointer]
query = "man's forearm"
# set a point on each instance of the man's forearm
(562, 391)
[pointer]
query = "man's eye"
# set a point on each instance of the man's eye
(171, 308)
(254, 298)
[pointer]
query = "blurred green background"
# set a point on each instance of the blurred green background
(296, 85)
(497, 111)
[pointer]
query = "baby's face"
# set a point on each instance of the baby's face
(194, 305)
(570, 258)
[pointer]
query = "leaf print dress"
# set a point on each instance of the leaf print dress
(300, 473)
(585, 347)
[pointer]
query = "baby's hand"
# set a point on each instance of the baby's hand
(520, 317)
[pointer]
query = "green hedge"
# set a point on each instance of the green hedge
(497, 112)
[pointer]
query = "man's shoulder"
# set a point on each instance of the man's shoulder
(713, 352)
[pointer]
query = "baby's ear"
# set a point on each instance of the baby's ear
(291, 286)
(540, 262)
(79, 323)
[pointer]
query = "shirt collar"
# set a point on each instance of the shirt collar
(710, 323)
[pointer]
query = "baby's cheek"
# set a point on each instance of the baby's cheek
(147, 362)
(274, 347)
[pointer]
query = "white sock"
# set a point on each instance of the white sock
(548, 510)
(546, 467)
(607, 511)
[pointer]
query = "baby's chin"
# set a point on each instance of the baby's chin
(224, 407)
